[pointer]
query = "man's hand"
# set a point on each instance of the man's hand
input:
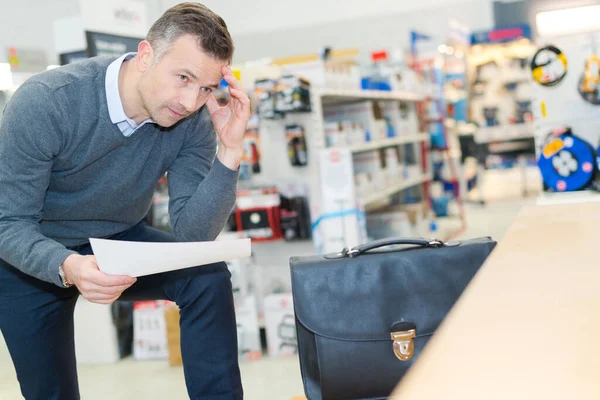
(94, 285)
(230, 121)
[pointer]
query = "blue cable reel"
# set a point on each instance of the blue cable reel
(567, 162)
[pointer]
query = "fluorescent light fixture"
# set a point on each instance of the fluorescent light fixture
(51, 66)
(568, 21)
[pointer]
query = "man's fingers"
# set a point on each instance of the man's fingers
(241, 96)
(102, 279)
(103, 300)
(90, 287)
(212, 104)
(233, 82)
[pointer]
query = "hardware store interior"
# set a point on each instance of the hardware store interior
(449, 122)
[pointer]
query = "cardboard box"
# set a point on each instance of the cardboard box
(149, 330)
(171, 315)
(280, 325)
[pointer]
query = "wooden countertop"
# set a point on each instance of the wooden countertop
(528, 325)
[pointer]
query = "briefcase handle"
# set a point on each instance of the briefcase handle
(358, 250)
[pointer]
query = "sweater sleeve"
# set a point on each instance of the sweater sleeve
(30, 139)
(202, 191)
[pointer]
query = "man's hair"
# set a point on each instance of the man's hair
(192, 19)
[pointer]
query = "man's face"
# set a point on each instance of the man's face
(180, 82)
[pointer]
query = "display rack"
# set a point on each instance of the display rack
(345, 225)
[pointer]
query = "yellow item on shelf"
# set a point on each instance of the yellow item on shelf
(591, 74)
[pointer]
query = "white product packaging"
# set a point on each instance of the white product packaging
(248, 330)
(280, 325)
(150, 330)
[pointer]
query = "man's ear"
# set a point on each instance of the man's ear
(145, 56)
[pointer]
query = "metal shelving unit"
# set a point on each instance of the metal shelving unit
(384, 194)
(380, 144)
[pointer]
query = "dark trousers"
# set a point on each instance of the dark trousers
(36, 319)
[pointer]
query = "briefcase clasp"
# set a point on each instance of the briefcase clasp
(404, 346)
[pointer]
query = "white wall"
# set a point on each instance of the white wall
(28, 23)
(389, 31)
(244, 17)
(271, 28)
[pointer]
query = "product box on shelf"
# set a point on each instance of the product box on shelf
(327, 74)
(280, 325)
(369, 163)
(388, 223)
(338, 218)
(248, 330)
(402, 116)
(149, 330)
(362, 114)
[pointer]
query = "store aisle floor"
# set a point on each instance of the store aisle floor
(269, 378)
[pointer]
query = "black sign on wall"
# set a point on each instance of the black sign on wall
(104, 44)
(73, 56)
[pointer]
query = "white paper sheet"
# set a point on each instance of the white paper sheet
(117, 257)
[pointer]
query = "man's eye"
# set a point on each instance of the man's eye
(183, 78)
(206, 90)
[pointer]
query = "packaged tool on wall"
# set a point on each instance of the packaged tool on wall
(292, 94)
(590, 79)
(264, 95)
(549, 66)
(296, 145)
(252, 149)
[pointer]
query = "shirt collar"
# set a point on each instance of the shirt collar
(113, 98)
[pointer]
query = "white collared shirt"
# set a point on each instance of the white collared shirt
(115, 105)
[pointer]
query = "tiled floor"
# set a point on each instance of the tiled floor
(266, 379)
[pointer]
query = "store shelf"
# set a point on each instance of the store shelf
(337, 96)
(380, 144)
(384, 194)
(504, 133)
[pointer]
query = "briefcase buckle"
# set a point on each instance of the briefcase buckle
(404, 346)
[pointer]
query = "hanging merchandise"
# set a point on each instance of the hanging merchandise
(590, 79)
(264, 94)
(296, 145)
(566, 162)
(549, 66)
(292, 94)
(251, 144)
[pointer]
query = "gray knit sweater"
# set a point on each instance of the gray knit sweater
(68, 174)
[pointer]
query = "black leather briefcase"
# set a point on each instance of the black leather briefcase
(364, 315)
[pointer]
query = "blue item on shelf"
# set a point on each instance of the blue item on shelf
(460, 110)
(567, 163)
(437, 136)
(440, 206)
(365, 83)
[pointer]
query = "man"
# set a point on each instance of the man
(81, 150)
